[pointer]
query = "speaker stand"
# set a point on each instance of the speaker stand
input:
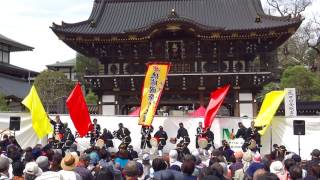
(299, 145)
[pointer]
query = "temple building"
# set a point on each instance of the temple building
(68, 68)
(208, 42)
(15, 82)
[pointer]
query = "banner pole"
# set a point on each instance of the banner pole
(271, 138)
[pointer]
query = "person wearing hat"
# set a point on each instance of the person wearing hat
(44, 164)
(315, 159)
(31, 171)
(68, 164)
(123, 134)
(146, 165)
(163, 137)
(82, 167)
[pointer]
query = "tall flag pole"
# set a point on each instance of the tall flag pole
(268, 109)
(216, 100)
(78, 111)
(40, 120)
(151, 92)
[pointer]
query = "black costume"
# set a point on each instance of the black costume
(183, 133)
(68, 136)
(252, 133)
(199, 134)
(163, 137)
(241, 133)
(210, 137)
(146, 136)
(107, 138)
(124, 135)
(58, 134)
(95, 133)
(58, 127)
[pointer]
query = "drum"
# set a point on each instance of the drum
(203, 142)
(100, 143)
(58, 136)
(173, 140)
(154, 141)
(252, 144)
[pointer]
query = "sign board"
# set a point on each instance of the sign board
(236, 144)
(290, 102)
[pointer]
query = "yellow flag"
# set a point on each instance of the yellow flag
(268, 109)
(151, 93)
(40, 120)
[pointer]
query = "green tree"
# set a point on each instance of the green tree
(91, 98)
(3, 103)
(267, 88)
(306, 82)
(53, 87)
(86, 66)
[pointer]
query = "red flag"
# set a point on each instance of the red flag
(216, 99)
(78, 111)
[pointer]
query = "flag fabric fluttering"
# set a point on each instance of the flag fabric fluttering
(151, 92)
(216, 100)
(78, 111)
(268, 109)
(40, 120)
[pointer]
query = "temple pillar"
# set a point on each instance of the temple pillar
(245, 104)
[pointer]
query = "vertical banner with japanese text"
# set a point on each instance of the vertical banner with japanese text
(151, 92)
(290, 102)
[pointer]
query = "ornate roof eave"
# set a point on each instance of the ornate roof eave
(201, 31)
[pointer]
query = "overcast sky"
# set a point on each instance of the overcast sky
(28, 22)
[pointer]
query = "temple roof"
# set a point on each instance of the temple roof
(67, 63)
(123, 16)
(14, 45)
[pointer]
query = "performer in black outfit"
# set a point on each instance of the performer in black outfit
(58, 131)
(124, 135)
(183, 133)
(68, 136)
(241, 133)
(253, 134)
(163, 137)
(210, 137)
(95, 132)
(107, 138)
(199, 134)
(146, 136)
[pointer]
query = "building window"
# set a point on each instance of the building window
(5, 57)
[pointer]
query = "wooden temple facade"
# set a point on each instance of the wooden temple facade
(209, 43)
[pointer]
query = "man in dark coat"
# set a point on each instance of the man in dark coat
(124, 135)
(146, 136)
(107, 138)
(95, 132)
(163, 137)
(183, 133)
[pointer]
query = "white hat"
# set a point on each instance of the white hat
(276, 167)
(173, 155)
(146, 157)
(32, 168)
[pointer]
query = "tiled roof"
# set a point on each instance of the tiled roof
(68, 63)
(16, 71)
(120, 16)
(14, 45)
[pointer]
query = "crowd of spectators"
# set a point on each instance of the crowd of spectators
(44, 162)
